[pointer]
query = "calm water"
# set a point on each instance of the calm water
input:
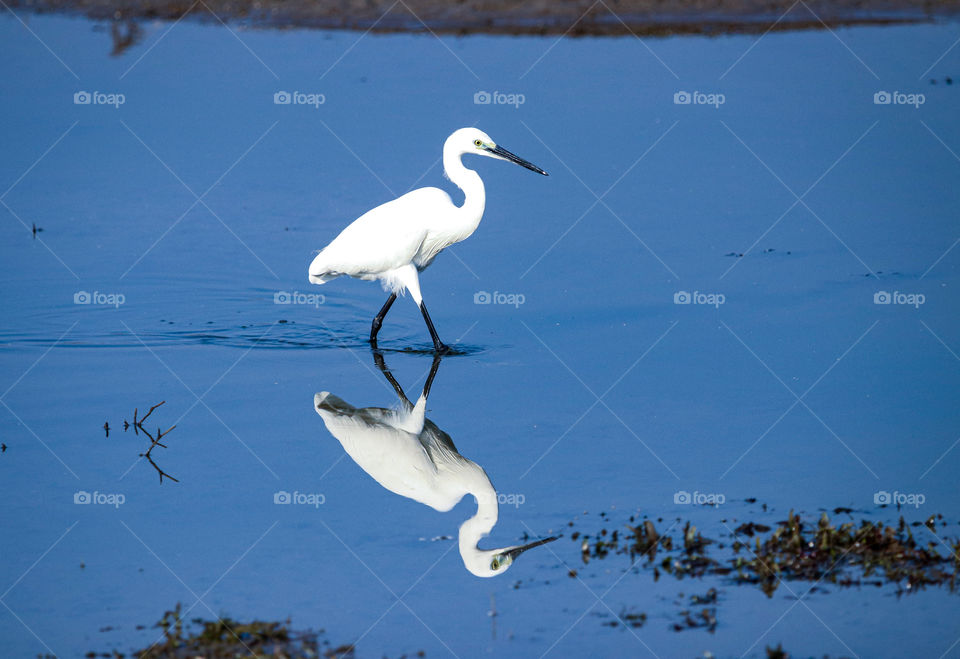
(699, 397)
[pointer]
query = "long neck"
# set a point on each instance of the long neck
(480, 525)
(470, 214)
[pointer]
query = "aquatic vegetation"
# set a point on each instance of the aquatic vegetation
(705, 618)
(701, 613)
(848, 554)
(870, 553)
(226, 638)
(628, 618)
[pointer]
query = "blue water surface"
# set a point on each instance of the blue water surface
(750, 299)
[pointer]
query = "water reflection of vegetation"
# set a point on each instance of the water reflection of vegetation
(558, 18)
(125, 36)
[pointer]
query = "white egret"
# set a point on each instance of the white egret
(409, 455)
(393, 242)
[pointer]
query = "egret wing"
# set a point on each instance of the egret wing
(382, 239)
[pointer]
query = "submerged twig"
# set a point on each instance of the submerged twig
(154, 439)
(154, 442)
(149, 412)
(157, 467)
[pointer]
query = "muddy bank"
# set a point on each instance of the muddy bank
(541, 17)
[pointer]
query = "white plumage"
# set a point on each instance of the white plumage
(409, 455)
(393, 242)
(376, 242)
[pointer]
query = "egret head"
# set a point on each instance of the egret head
(474, 141)
(494, 562)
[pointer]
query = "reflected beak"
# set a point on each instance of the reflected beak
(503, 153)
(516, 551)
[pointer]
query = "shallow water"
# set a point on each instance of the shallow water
(692, 397)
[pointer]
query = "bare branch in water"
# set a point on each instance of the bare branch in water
(149, 412)
(154, 439)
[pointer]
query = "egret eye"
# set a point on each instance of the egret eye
(495, 563)
(478, 143)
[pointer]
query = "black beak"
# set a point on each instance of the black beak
(503, 153)
(516, 551)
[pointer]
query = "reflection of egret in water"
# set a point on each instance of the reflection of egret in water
(409, 455)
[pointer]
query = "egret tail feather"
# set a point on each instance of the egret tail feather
(323, 277)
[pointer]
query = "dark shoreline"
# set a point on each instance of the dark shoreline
(564, 17)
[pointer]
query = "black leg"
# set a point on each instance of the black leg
(437, 343)
(382, 365)
(433, 373)
(378, 320)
